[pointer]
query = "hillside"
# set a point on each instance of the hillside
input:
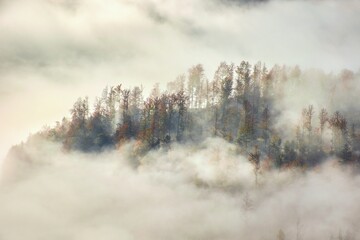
(249, 106)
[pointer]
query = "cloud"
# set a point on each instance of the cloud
(58, 50)
(52, 51)
(203, 192)
(332, 92)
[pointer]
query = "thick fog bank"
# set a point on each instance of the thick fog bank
(205, 192)
(58, 49)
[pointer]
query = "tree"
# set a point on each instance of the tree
(244, 75)
(145, 133)
(155, 92)
(265, 125)
(255, 90)
(181, 102)
(289, 152)
(226, 106)
(76, 136)
(239, 89)
(110, 104)
(346, 153)
(338, 125)
(323, 118)
(254, 158)
(100, 127)
(177, 85)
(196, 74)
(266, 85)
(171, 113)
(215, 90)
(163, 116)
(275, 151)
(224, 75)
(307, 114)
(135, 105)
(246, 130)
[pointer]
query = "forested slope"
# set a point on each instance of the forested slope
(243, 104)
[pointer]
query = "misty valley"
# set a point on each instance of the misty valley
(249, 152)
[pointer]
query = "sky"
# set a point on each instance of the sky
(54, 51)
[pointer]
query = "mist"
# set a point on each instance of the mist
(332, 91)
(238, 150)
(58, 49)
(187, 192)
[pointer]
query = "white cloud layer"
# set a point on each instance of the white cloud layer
(187, 193)
(52, 51)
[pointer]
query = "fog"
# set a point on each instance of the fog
(331, 91)
(52, 51)
(207, 192)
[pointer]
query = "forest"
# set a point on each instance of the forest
(179, 120)
(238, 104)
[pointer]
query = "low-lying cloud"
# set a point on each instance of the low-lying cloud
(60, 49)
(207, 192)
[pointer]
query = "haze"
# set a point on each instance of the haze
(52, 51)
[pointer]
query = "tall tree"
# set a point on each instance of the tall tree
(181, 102)
(196, 74)
(323, 118)
(244, 75)
(224, 75)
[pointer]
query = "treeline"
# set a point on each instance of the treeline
(238, 104)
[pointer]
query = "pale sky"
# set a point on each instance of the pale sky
(54, 51)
